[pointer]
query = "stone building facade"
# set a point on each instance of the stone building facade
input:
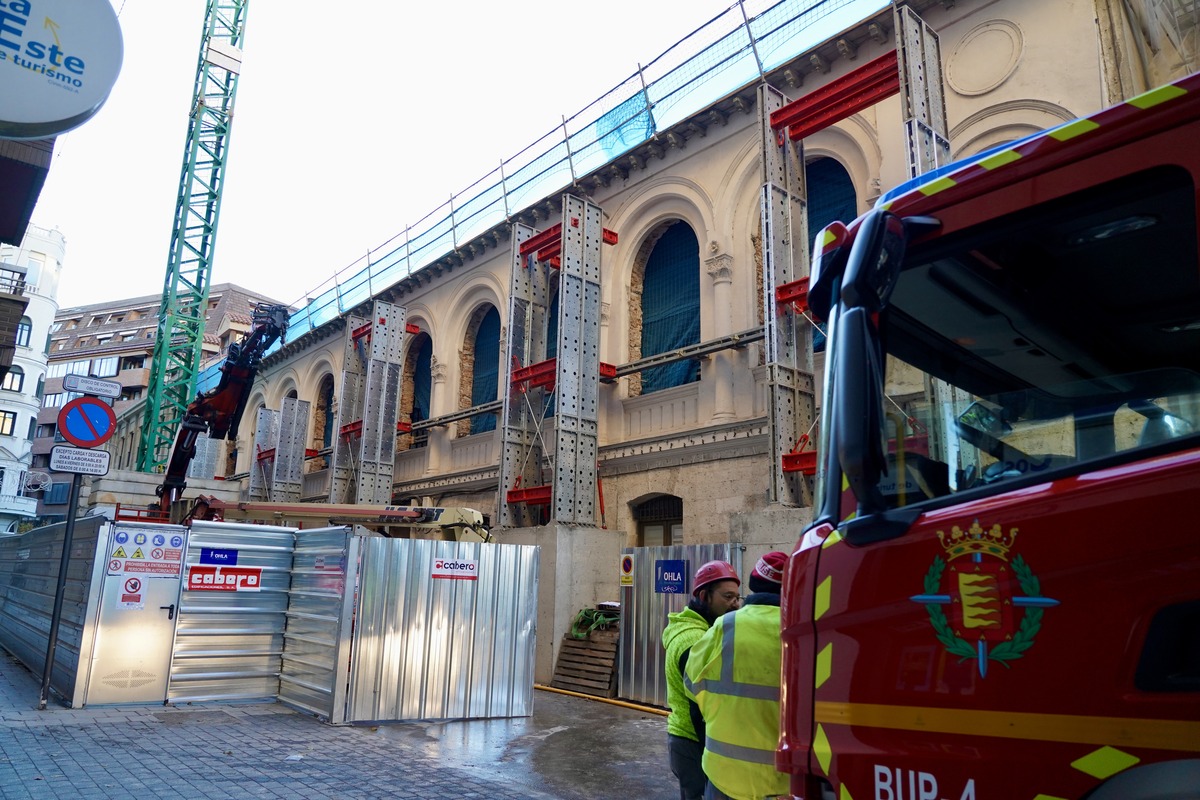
(686, 460)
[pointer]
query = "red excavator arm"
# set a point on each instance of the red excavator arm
(219, 411)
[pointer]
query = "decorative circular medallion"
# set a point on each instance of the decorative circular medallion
(985, 57)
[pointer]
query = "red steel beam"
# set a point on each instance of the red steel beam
(861, 88)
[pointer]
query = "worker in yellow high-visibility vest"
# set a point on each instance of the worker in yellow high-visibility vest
(714, 592)
(733, 674)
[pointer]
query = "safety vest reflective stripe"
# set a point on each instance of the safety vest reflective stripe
(741, 753)
(726, 685)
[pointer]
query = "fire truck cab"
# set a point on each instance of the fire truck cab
(1000, 594)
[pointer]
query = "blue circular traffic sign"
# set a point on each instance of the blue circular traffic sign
(87, 422)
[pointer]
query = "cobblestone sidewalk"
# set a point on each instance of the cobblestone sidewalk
(215, 751)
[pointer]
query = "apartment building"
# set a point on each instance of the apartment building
(115, 341)
(29, 279)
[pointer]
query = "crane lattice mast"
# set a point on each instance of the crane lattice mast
(177, 347)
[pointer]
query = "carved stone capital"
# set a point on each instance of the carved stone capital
(720, 268)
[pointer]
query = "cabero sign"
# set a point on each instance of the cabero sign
(455, 569)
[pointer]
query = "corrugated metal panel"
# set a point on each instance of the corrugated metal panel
(28, 580)
(642, 676)
(427, 648)
(229, 644)
(316, 642)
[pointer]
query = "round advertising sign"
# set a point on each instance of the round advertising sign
(59, 60)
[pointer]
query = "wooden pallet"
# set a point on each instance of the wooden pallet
(588, 666)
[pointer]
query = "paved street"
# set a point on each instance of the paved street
(570, 748)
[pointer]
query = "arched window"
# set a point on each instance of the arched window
(659, 521)
(24, 328)
(671, 306)
(423, 378)
(324, 417)
(485, 380)
(830, 197)
(416, 390)
(14, 381)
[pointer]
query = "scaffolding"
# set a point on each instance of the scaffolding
(364, 451)
(913, 70)
(567, 254)
(697, 80)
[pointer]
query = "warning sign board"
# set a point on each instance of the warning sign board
(627, 570)
(131, 596)
(158, 562)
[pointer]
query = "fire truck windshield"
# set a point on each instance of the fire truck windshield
(1026, 347)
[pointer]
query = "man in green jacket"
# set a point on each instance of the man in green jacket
(735, 683)
(714, 592)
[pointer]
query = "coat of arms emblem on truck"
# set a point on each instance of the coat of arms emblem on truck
(982, 623)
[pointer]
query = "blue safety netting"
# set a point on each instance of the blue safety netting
(422, 380)
(671, 306)
(486, 379)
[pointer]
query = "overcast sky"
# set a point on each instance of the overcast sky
(353, 119)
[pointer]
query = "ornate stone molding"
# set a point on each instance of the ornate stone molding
(720, 268)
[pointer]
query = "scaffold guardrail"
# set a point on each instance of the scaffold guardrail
(729, 52)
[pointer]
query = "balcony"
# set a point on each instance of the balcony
(19, 505)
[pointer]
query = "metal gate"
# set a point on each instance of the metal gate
(315, 654)
(644, 608)
(232, 611)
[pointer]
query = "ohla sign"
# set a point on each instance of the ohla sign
(59, 60)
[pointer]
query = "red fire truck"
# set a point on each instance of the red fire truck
(1000, 594)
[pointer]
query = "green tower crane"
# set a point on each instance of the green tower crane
(177, 347)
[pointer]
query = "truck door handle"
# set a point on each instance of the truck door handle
(170, 611)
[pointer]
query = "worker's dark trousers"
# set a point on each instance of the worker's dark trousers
(684, 756)
(713, 793)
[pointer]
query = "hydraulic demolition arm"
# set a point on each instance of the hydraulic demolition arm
(219, 411)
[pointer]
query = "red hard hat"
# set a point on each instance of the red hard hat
(711, 572)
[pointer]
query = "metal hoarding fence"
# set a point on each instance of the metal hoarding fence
(644, 608)
(443, 630)
(28, 576)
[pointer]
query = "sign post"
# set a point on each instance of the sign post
(86, 422)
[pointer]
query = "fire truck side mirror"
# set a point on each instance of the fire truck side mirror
(859, 421)
(874, 263)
